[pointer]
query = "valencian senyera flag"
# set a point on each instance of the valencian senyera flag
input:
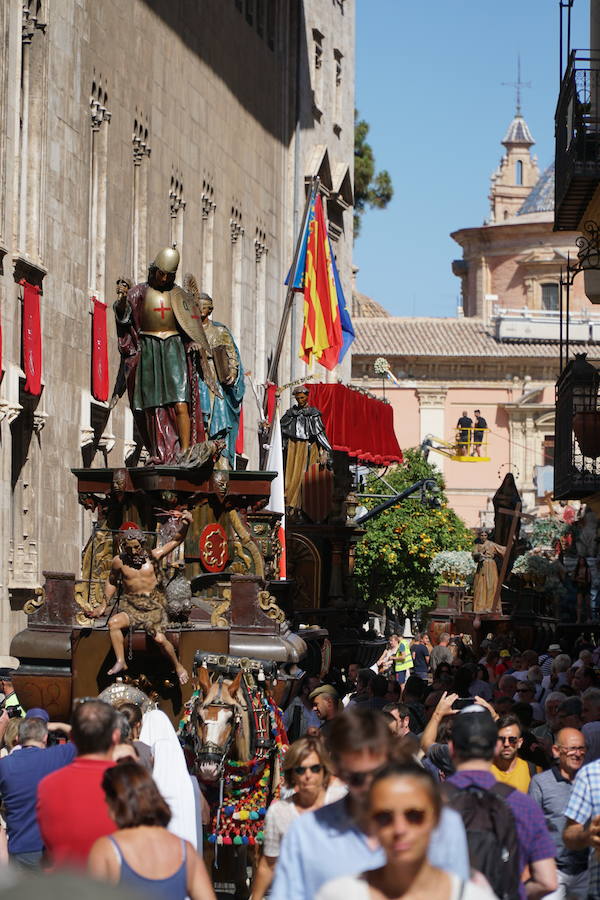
(327, 329)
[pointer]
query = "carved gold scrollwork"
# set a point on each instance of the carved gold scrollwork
(246, 550)
(31, 606)
(217, 619)
(269, 606)
(95, 568)
(261, 528)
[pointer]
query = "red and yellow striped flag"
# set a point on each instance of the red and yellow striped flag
(322, 330)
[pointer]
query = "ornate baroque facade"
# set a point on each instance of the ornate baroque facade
(125, 127)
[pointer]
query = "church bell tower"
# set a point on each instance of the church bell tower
(518, 170)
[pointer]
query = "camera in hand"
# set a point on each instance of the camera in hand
(13, 712)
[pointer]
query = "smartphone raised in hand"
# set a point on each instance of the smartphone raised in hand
(463, 702)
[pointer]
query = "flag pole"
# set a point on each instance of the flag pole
(289, 297)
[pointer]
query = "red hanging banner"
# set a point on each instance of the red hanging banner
(99, 352)
(32, 339)
(271, 400)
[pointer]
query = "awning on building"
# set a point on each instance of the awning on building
(356, 424)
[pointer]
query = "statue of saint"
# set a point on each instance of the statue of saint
(156, 331)
(142, 603)
(486, 576)
(304, 444)
(220, 376)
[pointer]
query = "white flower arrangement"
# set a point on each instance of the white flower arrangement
(534, 564)
(454, 563)
(381, 366)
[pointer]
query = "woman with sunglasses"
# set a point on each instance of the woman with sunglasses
(404, 809)
(307, 772)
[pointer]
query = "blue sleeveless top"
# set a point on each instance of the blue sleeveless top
(172, 888)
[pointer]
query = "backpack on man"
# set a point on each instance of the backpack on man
(491, 834)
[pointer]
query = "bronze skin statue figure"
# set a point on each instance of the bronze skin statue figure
(142, 602)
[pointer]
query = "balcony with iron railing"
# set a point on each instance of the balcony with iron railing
(577, 126)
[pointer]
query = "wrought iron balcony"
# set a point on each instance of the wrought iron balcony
(577, 125)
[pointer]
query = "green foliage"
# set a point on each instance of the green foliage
(393, 559)
(370, 188)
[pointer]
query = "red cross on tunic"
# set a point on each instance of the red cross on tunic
(162, 309)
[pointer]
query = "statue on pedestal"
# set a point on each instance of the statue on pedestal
(304, 444)
(221, 382)
(142, 603)
(485, 582)
(155, 328)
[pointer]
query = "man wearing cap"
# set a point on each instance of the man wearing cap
(159, 371)
(547, 659)
(504, 666)
(304, 444)
(9, 665)
(20, 775)
(472, 745)
(326, 704)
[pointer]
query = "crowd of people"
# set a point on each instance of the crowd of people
(438, 771)
(108, 793)
(466, 774)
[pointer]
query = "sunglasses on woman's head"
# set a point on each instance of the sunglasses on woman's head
(300, 770)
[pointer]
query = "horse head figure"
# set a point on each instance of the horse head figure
(218, 724)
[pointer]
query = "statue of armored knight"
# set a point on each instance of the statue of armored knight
(156, 331)
(183, 371)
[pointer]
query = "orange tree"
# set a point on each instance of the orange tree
(392, 560)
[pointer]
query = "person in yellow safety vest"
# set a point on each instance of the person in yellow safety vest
(403, 661)
(8, 665)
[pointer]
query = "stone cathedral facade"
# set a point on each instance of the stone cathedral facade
(125, 127)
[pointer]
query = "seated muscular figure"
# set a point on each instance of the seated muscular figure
(142, 602)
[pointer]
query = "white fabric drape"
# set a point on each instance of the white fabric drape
(170, 773)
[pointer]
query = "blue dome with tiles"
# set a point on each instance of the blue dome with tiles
(541, 197)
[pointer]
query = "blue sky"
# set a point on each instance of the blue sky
(429, 82)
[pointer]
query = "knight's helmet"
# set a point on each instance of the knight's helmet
(167, 260)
